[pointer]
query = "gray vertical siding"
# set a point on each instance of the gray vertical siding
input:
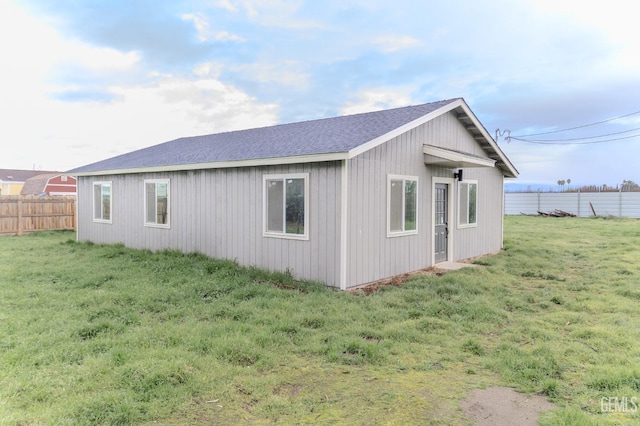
(371, 254)
(486, 237)
(218, 212)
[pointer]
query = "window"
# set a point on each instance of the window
(102, 202)
(286, 203)
(467, 203)
(402, 205)
(156, 200)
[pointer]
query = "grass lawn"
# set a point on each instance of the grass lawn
(94, 334)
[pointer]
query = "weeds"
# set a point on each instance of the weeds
(93, 334)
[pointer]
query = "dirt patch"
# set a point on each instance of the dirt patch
(288, 390)
(501, 406)
(396, 281)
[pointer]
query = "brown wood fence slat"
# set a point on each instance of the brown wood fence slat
(19, 213)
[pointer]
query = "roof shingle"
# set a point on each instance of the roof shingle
(324, 136)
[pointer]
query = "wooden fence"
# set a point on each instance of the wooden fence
(19, 213)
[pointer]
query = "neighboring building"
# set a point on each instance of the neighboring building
(346, 201)
(50, 184)
(12, 181)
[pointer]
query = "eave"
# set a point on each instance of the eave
(436, 156)
(274, 161)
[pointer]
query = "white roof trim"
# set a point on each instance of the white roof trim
(445, 157)
(336, 156)
(510, 167)
(221, 164)
(405, 128)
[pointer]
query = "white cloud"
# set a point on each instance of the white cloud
(61, 135)
(276, 13)
(201, 24)
(376, 100)
(204, 31)
(616, 23)
(99, 58)
(68, 135)
(393, 43)
(226, 4)
(225, 36)
(286, 73)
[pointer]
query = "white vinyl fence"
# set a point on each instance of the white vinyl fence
(583, 204)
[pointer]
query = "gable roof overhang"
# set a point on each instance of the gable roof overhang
(457, 106)
(437, 156)
(471, 123)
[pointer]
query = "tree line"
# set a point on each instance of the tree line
(625, 186)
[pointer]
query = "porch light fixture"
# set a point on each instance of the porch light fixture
(458, 175)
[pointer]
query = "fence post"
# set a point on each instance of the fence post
(620, 203)
(538, 199)
(74, 216)
(578, 202)
(19, 230)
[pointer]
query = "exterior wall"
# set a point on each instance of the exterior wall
(219, 212)
(11, 188)
(371, 254)
(58, 186)
(486, 237)
(447, 132)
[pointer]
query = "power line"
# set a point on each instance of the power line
(540, 142)
(578, 127)
(574, 139)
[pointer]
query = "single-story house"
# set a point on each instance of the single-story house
(13, 180)
(347, 200)
(49, 184)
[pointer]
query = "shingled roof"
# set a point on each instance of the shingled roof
(36, 185)
(20, 176)
(316, 140)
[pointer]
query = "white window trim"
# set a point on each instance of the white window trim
(404, 178)
(466, 225)
(144, 193)
(307, 196)
(93, 200)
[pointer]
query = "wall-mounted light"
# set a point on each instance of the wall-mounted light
(458, 175)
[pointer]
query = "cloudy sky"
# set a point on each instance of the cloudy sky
(82, 81)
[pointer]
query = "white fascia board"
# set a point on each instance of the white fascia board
(336, 156)
(446, 157)
(488, 138)
(405, 128)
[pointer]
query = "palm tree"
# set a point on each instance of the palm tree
(561, 183)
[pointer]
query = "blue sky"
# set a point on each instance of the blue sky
(86, 80)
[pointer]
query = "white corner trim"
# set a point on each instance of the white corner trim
(344, 214)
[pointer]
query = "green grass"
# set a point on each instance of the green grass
(93, 334)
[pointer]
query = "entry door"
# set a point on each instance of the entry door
(441, 227)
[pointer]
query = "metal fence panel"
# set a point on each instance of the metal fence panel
(583, 204)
